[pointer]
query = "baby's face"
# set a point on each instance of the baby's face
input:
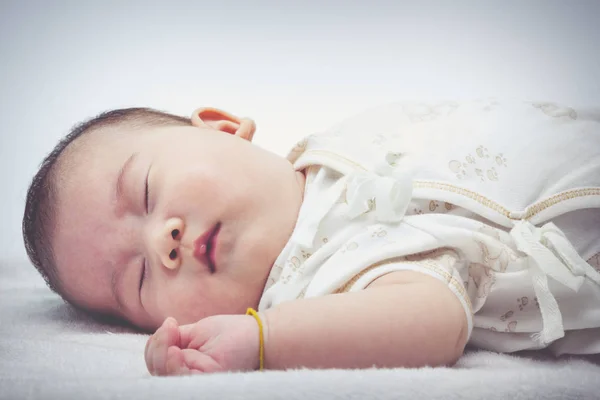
(217, 213)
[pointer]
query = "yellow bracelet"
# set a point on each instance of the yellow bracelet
(261, 353)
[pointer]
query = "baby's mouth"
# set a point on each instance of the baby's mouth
(211, 248)
(205, 247)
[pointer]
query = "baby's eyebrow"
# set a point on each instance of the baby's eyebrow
(119, 187)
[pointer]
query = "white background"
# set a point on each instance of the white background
(295, 67)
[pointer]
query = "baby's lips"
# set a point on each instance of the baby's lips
(203, 246)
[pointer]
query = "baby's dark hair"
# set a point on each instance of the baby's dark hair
(40, 206)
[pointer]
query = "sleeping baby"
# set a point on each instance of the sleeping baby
(391, 240)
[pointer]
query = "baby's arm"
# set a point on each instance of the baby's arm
(403, 319)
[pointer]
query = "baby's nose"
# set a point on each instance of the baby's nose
(169, 246)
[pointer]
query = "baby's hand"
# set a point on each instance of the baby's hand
(214, 344)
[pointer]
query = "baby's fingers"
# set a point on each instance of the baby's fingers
(158, 344)
(175, 364)
(190, 361)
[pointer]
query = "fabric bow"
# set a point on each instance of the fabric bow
(551, 255)
(383, 191)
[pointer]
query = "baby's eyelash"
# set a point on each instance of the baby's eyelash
(146, 195)
(143, 274)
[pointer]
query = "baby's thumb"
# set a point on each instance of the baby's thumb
(172, 328)
(191, 334)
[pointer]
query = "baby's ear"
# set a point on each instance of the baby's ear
(208, 117)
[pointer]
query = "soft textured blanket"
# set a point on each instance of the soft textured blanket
(48, 350)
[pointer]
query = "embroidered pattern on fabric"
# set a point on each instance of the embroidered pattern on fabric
(555, 111)
(482, 165)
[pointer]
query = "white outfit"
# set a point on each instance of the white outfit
(499, 201)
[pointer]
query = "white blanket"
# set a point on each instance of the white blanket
(48, 350)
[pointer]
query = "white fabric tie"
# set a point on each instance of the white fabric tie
(551, 255)
(383, 192)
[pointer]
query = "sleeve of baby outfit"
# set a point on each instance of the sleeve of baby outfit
(440, 264)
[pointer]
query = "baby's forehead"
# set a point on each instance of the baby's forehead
(85, 194)
(101, 152)
(102, 144)
(89, 158)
